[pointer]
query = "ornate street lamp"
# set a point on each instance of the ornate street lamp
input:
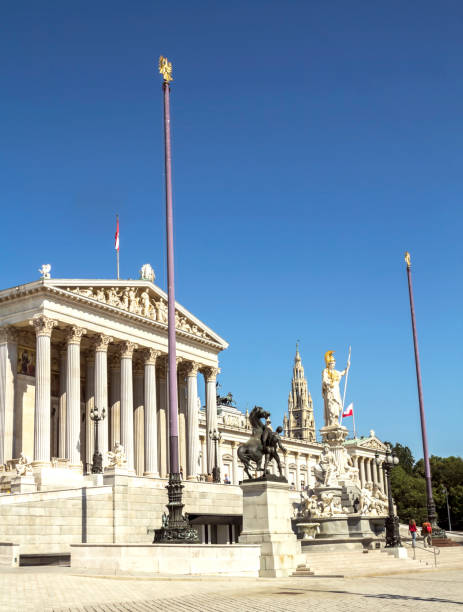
(392, 521)
(445, 492)
(215, 436)
(96, 417)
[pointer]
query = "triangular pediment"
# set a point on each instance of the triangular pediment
(136, 298)
(372, 443)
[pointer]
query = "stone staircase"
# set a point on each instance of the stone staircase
(378, 562)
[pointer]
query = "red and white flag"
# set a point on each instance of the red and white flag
(349, 410)
(116, 245)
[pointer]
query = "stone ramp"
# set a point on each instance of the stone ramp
(380, 563)
(447, 557)
(357, 563)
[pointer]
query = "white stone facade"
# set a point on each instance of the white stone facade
(68, 346)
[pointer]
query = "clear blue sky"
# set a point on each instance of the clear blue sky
(313, 142)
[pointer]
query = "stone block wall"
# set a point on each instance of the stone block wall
(48, 521)
(120, 511)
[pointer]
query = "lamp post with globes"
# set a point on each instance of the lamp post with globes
(446, 493)
(392, 521)
(215, 436)
(96, 417)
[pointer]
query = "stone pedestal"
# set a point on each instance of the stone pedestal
(23, 484)
(266, 521)
(334, 527)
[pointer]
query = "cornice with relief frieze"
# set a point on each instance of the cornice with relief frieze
(138, 301)
(123, 315)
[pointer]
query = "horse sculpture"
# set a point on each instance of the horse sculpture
(253, 449)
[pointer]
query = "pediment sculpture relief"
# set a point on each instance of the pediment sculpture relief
(137, 300)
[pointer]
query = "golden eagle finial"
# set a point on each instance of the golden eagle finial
(165, 68)
(407, 259)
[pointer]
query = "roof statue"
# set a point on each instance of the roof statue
(45, 271)
(165, 68)
(147, 273)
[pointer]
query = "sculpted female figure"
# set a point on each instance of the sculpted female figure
(330, 389)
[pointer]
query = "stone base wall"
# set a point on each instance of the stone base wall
(170, 559)
(48, 521)
(123, 510)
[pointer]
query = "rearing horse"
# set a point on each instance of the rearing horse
(253, 449)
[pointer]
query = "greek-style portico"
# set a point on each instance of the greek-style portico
(68, 345)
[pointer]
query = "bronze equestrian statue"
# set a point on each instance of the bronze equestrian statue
(262, 443)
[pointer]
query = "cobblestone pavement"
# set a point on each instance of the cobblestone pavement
(59, 590)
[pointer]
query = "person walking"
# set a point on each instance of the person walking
(426, 532)
(412, 530)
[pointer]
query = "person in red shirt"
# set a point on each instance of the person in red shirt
(412, 530)
(426, 531)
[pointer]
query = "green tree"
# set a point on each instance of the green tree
(409, 487)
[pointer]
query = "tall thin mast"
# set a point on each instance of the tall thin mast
(432, 516)
(173, 393)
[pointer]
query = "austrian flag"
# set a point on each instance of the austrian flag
(116, 244)
(349, 410)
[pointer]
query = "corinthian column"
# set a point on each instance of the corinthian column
(8, 365)
(74, 337)
(163, 417)
(192, 420)
(115, 401)
(127, 349)
(139, 419)
(89, 405)
(43, 327)
(62, 404)
(151, 417)
(210, 377)
(101, 391)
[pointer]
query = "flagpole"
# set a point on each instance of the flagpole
(345, 385)
(177, 529)
(432, 515)
(117, 250)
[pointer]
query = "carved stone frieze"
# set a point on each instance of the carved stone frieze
(43, 325)
(137, 300)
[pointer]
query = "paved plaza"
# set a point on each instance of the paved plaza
(61, 589)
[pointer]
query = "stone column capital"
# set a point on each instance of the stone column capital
(43, 325)
(162, 365)
(210, 374)
(150, 356)
(74, 334)
(192, 368)
(127, 349)
(8, 333)
(101, 342)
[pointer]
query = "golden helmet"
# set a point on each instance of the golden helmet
(329, 357)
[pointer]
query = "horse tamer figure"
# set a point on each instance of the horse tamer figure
(262, 443)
